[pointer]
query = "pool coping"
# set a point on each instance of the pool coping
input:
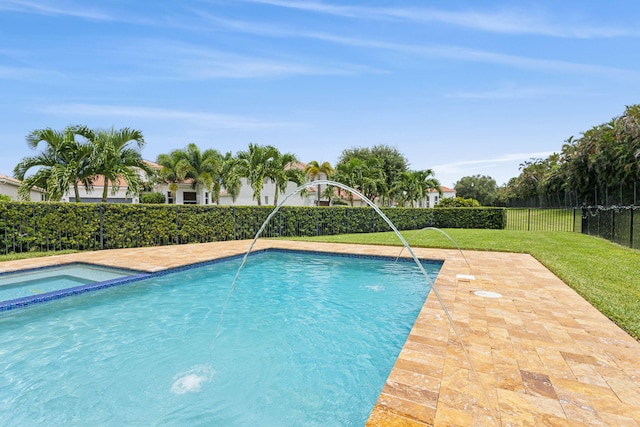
(540, 355)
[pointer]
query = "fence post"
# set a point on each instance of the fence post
(528, 219)
(631, 228)
(101, 229)
(233, 209)
(177, 236)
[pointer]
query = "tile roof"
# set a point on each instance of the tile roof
(10, 180)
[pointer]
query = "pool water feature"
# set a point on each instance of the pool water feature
(27, 287)
(308, 339)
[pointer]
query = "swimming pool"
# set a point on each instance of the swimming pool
(28, 287)
(306, 340)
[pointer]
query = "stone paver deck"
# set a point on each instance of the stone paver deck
(540, 354)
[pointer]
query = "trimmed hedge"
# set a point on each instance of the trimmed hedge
(26, 226)
(153, 198)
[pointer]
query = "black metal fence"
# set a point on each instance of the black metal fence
(539, 219)
(617, 224)
(620, 195)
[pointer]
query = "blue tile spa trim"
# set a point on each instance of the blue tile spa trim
(63, 293)
(139, 275)
(68, 264)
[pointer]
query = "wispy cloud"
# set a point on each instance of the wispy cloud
(502, 21)
(59, 9)
(182, 61)
(204, 119)
(466, 165)
(431, 51)
(200, 63)
(475, 55)
(515, 92)
(23, 73)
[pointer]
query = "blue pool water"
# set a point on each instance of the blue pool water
(305, 340)
(41, 281)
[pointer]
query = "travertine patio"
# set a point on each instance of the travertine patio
(540, 354)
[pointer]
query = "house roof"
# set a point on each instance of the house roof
(296, 165)
(444, 190)
(98, 181)
(4, 179)
(153, 164)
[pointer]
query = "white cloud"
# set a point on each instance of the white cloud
(197, 64)
(434, 51)
(459, 166)
(502, 21)
(164, 59)
(500, 168)
(516, 92)
(474, 55)
(46, 8)
(16, 73)
(203, 119)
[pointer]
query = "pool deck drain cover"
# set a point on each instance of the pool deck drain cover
(487, 294)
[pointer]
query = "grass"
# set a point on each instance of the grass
(26, 255)
(604, 273)
(534, 219)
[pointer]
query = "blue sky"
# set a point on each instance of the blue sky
(462, 87)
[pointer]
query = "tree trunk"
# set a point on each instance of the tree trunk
(105, 190)
(76, 192)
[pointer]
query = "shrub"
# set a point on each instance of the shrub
(29, 226)
(152, 198)
(457, 202)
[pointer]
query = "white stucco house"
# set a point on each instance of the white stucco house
(434, 198)
(184, 193)
(94, 195)
(267, 195)
(9, 187)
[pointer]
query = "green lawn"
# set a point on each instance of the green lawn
(25, 255)
(605, 274)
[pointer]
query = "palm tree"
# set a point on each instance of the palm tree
(374, 181)
(282, 170)
(63, 163)
(202, 168)
(229, 178)
(254, 164)
(426, 182)
(169, 169)
(114, 158)
(315, 170)
(414, 186)
(350, 174)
